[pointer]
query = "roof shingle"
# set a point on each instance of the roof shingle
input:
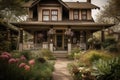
(81, 5)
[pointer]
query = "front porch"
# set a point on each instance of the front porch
(59, 36)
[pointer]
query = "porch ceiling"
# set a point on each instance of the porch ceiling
(61, 24)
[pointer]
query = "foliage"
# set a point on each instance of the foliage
(74, 51)
(47, 53)
(4, 44)
(110, 44)
(91, 56)
(21, 69)
(94, 43)
(26, 53)
(108, 70)
(11, 10)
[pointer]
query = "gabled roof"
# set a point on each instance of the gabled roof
(70, 5)
(31, 3)
(81, 5)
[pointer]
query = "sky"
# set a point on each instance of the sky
(99, 3)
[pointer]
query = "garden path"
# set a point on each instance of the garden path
(61, 72)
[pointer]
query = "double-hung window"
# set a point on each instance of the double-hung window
(76, 14)
(84, 14)
(54, 15)
(46, 15)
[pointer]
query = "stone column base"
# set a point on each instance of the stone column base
(21, 47)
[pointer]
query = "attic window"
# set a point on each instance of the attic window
(84, 14)
(76, 14)
(54, 15)
(46, 15)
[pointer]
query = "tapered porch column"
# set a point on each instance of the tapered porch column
(21, 39)
(35, 39)
(69, 45)
(51, 45)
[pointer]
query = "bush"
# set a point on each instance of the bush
(91, 56)
(108, 70)
(21, 69)
(73, 52)
(26, 53)
(47, 54)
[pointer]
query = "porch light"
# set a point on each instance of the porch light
(69, 33)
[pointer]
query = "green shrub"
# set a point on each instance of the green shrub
(90, 56)
(47, 54)
(26, 53)
(108, 69)
(73, 52)
(112, 48)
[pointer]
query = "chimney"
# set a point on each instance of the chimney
(89, 1)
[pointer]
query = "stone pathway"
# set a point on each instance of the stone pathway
(61, 72)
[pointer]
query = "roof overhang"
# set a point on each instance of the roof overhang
(73, 25)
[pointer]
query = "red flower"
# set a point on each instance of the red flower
(23, 57)
(32, 62)
(12, 60)
(6, 53)
(4, 56)
(22, 65)
(17, 59)
(27, 68)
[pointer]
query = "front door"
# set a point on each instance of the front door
(59, 41)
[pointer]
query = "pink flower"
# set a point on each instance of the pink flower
(23, 57)
(32, 62)
(17, 59)
(22, 65)
(4, 56)
(6, 53)
(12, 60)
(27, 68)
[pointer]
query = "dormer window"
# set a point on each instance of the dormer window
(76, 14)
(50, 15)
(84, 14)
(54, 15)
(46, 15)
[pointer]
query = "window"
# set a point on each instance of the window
(50, 15)
(76, 14)
(46, 15)
(54, 15)
(84, 14)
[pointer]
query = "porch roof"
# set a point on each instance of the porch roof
(63, 23)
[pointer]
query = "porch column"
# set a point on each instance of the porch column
(35, 39)
(51, 45)
(21, 39)
(69, 45)
(82, 40)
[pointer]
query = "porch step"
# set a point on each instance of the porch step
(60, 54)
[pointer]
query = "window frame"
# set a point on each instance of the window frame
(74, 14)
(54, 14)
(84, 14)
(45, 14)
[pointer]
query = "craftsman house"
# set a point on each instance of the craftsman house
(59, 25)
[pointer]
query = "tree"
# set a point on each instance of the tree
(111, 10)
(11, 10)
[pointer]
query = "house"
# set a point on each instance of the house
(59, 25)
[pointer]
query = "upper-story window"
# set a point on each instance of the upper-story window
(54, 15)
(84, 14)
(76, 14)
(46, 15)
(50, 15)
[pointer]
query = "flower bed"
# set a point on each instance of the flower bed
(21, 68)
